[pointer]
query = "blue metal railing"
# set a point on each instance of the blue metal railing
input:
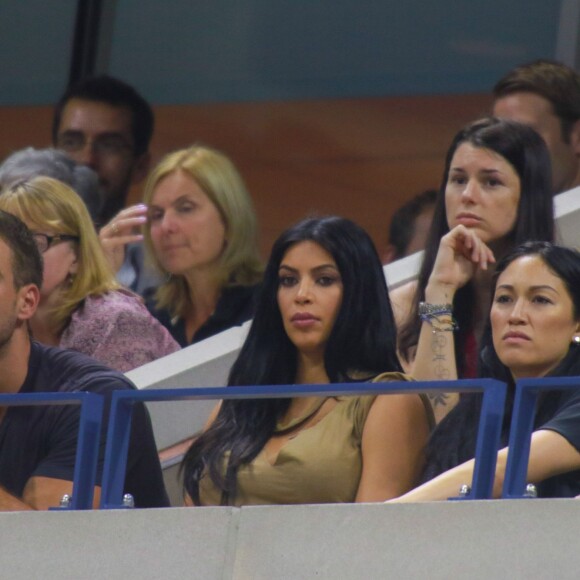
(522, 426)
(88, 439)
(122, 402)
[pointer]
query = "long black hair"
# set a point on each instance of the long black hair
(454, 439)
(362, 340)
(526, 152)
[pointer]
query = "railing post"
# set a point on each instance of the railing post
(87, 451)
(116, 451)
(520, 440)
(488, 439)
(522, 425)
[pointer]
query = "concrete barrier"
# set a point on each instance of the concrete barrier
(511, 539)
(204, 364)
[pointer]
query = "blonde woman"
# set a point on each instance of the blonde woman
(82, 307)
(201, 233)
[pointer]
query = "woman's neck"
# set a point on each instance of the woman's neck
(204, 294)
(501, 247)
(482, 288)
(311, 370)
(482, 299)
(42, 327)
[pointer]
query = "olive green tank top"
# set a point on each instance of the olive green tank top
(321, 464)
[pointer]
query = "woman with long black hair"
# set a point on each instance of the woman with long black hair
(495, 194)
(323, 316)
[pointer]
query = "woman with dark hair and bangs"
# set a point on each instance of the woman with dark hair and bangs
(323, 316)
(533, 332)
(496, 193)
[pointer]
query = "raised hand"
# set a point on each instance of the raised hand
(123, 229)
(461, 253)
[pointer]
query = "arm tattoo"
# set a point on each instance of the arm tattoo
(438, 343)
(438, 399)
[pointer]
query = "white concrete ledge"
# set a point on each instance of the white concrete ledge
(511, 539)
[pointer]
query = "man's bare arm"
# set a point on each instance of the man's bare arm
(40, 493)
(10, 503)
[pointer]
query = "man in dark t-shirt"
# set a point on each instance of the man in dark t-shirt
(41, 441)
(38, 444)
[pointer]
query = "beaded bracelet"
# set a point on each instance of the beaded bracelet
(430, 313)
(426, 308)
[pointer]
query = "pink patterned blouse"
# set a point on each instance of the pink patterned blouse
(117, 330)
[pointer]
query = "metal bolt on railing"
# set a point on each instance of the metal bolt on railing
(464, 490)
(128, 501)
(531, 490)
(65, 501)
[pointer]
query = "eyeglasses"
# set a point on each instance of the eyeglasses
(44, 241)
(72, 142)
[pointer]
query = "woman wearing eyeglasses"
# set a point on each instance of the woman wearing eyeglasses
(82, 307)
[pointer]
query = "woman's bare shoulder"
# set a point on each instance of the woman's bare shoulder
(212, 416)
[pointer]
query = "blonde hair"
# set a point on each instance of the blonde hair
(239, 263)
(49, 204)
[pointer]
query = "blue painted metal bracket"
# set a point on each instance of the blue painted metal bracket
(122, 407)
(90, 423)
(522, 425)
(488, 439)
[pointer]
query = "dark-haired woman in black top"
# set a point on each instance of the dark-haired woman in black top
(535, 332)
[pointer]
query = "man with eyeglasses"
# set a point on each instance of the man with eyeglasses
(38, 443)
(105, 124)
